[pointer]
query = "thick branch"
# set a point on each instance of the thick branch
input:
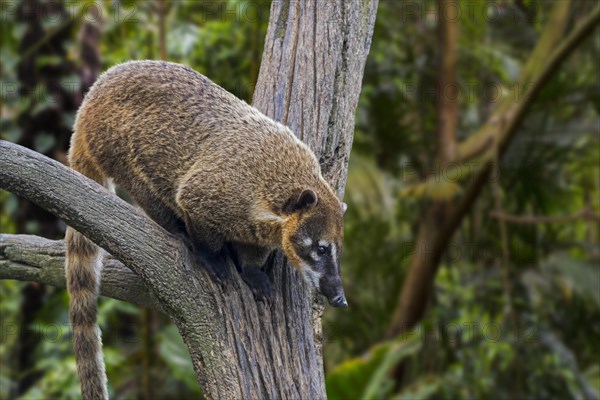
(36, 259)
(310, 79)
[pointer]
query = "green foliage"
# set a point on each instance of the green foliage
(175, 355)
(371, 244)
(552, 168)
(221, 39)
(368, 377)
(529, 332)
(59, 380)
(9, 309)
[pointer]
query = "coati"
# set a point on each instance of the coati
(203, 163)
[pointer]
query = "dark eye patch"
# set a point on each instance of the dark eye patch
(322, 250)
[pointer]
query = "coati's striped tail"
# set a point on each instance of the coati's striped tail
(83, 270)
(83, 267)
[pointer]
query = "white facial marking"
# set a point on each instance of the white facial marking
(314, 255)
(311, 276)
(266, 216)
(333, 251)
(307, 242)
(323, 243)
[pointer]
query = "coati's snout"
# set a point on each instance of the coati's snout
(320, 267)
(330, 286)
(314, 244)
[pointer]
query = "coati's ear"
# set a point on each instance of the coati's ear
(305, 200)
(344, 208)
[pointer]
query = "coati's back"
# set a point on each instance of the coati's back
(147, 123)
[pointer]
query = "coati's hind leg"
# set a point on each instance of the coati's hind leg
(208, 248)
(250, 261)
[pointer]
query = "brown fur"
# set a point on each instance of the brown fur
(190, 153)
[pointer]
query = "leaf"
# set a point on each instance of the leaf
(396, 352)
(421, 390)
(367, 377)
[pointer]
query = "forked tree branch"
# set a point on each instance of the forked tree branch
(36, 259)
(499, 130)
(126, 232)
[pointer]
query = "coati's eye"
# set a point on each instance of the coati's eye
(322, 250)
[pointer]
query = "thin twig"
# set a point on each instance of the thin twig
(586, 214)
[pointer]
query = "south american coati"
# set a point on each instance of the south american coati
(200, 161)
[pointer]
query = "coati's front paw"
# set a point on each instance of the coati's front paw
(213, 262)
(259, 284)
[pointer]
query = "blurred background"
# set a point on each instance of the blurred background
(514, 305)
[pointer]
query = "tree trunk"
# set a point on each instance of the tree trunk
(447, 120)
(310, 80)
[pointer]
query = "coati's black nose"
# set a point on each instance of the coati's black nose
(339, 301)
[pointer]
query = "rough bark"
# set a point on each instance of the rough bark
(310, 79)
(311, 74)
